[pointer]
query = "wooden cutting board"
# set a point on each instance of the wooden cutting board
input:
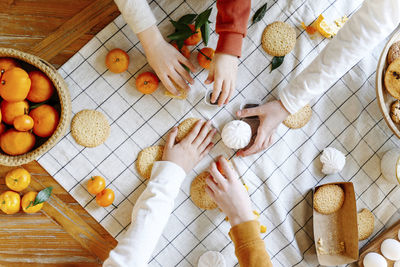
(63, 233)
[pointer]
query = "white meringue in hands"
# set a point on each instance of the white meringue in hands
(332, 160)
(236, 134)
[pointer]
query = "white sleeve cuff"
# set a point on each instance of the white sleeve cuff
(137, 14)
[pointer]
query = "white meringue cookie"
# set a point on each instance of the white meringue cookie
(332, 160)
(236, 134)
(211, 259)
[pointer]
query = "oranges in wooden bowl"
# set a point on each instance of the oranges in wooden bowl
(35, 107)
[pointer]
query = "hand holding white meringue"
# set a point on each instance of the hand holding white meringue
(332, 160)
(236, 134)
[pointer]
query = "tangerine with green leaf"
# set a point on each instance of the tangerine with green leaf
(205, 56)
(195, 38)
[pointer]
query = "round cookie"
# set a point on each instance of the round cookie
(366, 222)
(395, 111)
(299, 119)
(392, 79)
(146, 159)
(90, 128)
(394, 52)
(198, 193)
(278, 38)
(328, 199)
(185, 127)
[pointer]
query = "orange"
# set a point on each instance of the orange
(45, 120)
(205, 56)
(27, 203)
(117, 60)
(96, 184)
(2, 128)
(6, 64)
(14, 85)
(15, 143)
(184, 50)
(41, 87)
(11, 110)
(10, 202)
(147, 82)
(18, 179)
(105, 198)
(195, 38)
(23, 123)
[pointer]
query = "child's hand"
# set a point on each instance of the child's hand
(229, 193)
(192, 148)
(165, 60)
(271, 114)
(222, 72)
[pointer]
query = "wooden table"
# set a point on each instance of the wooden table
(63, 233)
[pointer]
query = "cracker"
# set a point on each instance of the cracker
(183, 93)
(198, 193)
(146, 159)
(299, 119)
(90, 128)
(328, 199)
(185, 127)
(278, 38)
(394, 52)
(366, 222)
(395, 111)
(392, 79)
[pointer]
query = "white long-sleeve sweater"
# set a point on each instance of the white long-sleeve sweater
(149, 217)
(373, 22)
(137, 14)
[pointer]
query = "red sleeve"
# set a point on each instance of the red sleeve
(231, 25)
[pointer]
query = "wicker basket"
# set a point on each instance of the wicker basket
(65, 106)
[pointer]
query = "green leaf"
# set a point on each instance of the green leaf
(276, 62)
(179, 43)
(180, 35)
(202, 18)
(205, 32)
(187, 19)
(260, 13)
(43, 195)
(37, 105)
(180, 26)
(185, 67)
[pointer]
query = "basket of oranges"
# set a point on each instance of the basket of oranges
(35, 107)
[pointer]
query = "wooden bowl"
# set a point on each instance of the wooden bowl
(384, 98)
(61, 101)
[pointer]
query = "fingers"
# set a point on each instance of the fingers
(177, 78)
(248, 112)
(225, 92)
(208, 139)
(181, 70)
(217, 176)
(210, 77)
(187, 63)
(256, 147)
(226, 168)
(216, 90)
(194, 132)
(206, 150)
(210, 192)
(203, 134)
(168, 85)
(171, 137)
(230, 93)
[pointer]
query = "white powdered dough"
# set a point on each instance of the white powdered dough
(332, 160)
(211, 259)
(236, 134)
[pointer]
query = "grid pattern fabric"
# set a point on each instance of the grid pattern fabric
(280, 179)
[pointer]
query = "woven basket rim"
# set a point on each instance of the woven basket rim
(65, 104)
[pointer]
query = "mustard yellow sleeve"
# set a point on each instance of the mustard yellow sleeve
(249, 247)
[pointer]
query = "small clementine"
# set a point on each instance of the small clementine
(10, 202)
(195, 37)
(117, 60)
(14, 85)
(18, 179)
(27, 203)
(11, 110)
(23, 123)
(41, 87)
(96, 184)
(16, 143)
(147, 82)
(105, 198)
(6, 64)
(45, 120)
(205, 56)
(184, 50)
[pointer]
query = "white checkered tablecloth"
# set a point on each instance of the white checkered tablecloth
(347, 117)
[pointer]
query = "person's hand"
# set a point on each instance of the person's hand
(271, 114)
(188, 152)
(229, 193)
(223, 70)
(165, 60)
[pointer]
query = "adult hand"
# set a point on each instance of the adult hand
(229, 193)
(223, 71)
(165, 60)
(188, 152)
(271, 114)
